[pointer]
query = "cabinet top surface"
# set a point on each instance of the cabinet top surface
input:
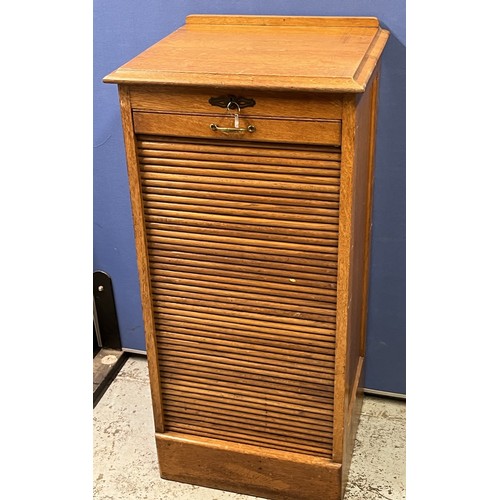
(324, 54)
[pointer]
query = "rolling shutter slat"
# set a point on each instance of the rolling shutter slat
(242, 241)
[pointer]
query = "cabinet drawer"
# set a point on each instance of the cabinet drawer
(266, 104)
(305, 131)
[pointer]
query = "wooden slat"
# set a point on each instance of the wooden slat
(286, 323)
(228, 356)
(245, 406)
(275, 425)
(242, 180)
(204, 191)
(274, 232)
(314, 172)
(262, 304)
(212, 185)
(167, 325)
(271, 421)
(239, 161)
(308, 275)
(219, 171)
(234, 421)
(331, 218)
(242, 438)
(252, 430)
(284, 291)
(313, 331)
(165, 197)
(249, 421)
(241, 398)
(257, 257)
(240, 280)
(278, 370)
(238, 350)
(222, 217)
(178, 405)
(236, 148)
(235, 374)
(268, 299)
(325, 252)
(166, 322)
(245, 387)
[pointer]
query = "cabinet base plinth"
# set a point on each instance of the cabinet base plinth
(250, 470)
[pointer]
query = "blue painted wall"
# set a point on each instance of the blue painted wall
(124, 28)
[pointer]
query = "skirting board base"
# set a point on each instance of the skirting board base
(250, 470)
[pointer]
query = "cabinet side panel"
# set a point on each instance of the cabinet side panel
(369, 203)
(358, 126)
(360, 252)
(142, 255)
(361, 210)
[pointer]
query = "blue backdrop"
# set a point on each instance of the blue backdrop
(124, 28)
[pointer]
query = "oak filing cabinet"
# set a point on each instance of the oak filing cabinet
(250, 149)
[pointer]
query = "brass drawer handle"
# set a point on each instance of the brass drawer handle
(216, 128)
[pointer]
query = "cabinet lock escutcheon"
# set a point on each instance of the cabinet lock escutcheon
(231, 101)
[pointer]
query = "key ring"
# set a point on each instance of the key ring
(230, 104)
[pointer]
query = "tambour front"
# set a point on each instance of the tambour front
(250, 148)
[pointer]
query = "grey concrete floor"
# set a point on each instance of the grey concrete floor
(125, 465)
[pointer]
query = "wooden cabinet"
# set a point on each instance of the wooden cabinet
(250, 146)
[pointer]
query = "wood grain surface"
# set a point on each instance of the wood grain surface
(321, 54)
(248, 469)
(266, 129)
